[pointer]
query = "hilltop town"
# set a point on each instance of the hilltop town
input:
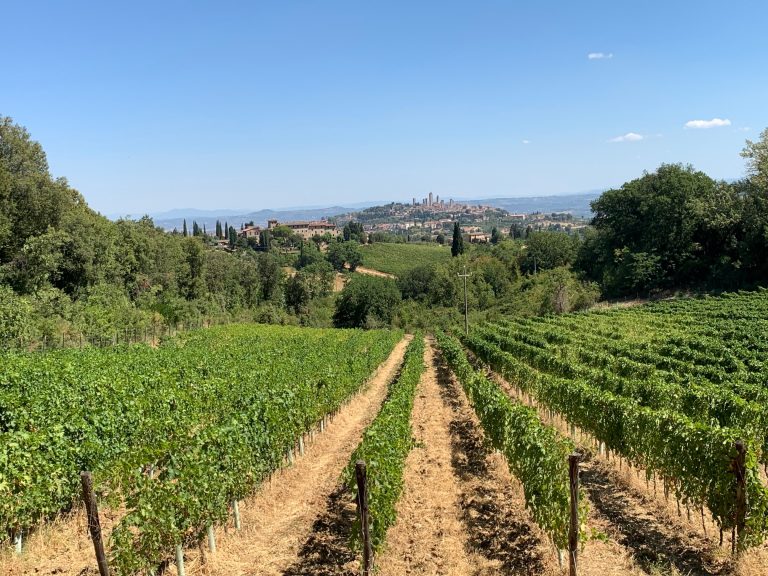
(433, 218)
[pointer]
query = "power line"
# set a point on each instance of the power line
(466, 306)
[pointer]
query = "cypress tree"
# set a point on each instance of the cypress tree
(184, 229)
(457, 247)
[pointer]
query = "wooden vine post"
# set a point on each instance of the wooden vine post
(739, 466)
(362, 511)
(94, 526)
(573, 529)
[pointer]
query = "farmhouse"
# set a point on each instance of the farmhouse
(250, 232)
(307, 229)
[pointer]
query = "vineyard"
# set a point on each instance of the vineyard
(396, 258)
(175, 434)
(674, 388)
(277, 450)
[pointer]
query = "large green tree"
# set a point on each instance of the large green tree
(672, 227)
(756, 154)
(546, 250)
(366, 302)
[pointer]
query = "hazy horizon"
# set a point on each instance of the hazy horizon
(147, 107)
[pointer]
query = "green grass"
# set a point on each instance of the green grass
(399, 258)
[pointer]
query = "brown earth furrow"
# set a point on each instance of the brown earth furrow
(461, 513)
(428, 536)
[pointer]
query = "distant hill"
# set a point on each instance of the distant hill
(577, 204)
(175, 218)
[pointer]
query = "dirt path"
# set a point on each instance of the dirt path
(372, 272)
(460, 513)
(279, 518)
(339, 280)
(429, 536)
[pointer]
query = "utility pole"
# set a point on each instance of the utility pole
(466, 307)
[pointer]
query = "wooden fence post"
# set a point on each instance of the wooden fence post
(739, 470)
(180, 560)
(573, 530)
(94, 526)
(211, 539)
(362, 510)
(236, 511)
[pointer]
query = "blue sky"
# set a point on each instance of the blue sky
(147, 106)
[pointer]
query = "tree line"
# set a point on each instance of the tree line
(678, 228)
(67, 270)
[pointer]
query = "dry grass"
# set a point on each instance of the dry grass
(467, 514)
(62, 546)
(428, 536)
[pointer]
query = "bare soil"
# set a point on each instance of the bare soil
(429, 535)
(339, 281)
(461, 513)
(655, 542)
(372, 272)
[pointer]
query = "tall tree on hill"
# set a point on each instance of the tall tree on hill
(232, 236)
(457, 246)
(184, 229)
(218, 229)
(756, 154)
(265, 240)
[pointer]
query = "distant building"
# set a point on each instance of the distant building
(478, 237)
(307, 230)
(250, 232)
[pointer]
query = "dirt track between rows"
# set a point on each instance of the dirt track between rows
(461, 513)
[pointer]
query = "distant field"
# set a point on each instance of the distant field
(399, 258)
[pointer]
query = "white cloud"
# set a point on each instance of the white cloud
(744, 129)
(628, 137)
(600, 55)
(714, 123)
(526, 141)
